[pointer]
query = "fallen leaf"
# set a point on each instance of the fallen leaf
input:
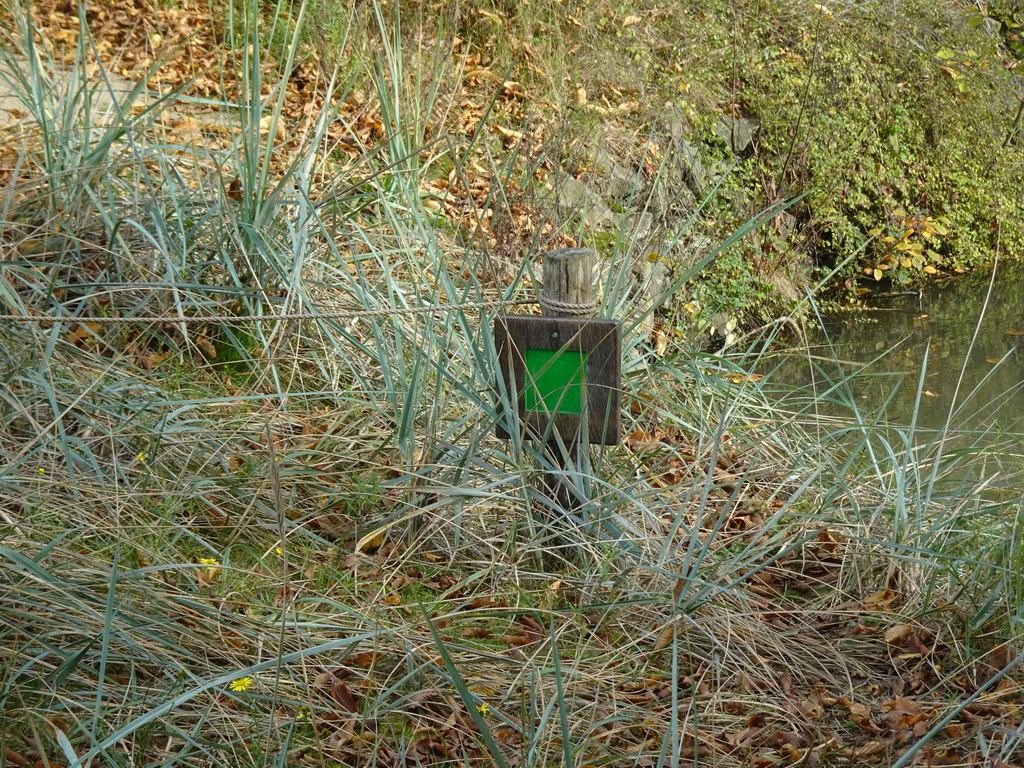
(344, 697)
(370, 543)
(883, 598)
(943, 757)
(515, 640)
(868, 750)
(897, 635)
(791, 752)
(629, 21)
(665, 636)
(84, 333)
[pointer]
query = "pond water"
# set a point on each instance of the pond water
(953, 353)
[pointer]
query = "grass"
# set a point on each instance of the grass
(327, 513)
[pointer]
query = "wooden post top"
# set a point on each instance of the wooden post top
(570, 283)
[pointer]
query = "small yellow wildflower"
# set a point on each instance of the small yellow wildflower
(42, 471)
(141, 456)
(483, 709)
(278, 551)
(241, 684)
(213, 564)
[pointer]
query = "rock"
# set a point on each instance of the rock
(641, 234)
(619, 184)
(604, 161)
(717, 171)
(738, 133)
(671, 201)
(106, 89)
(685, 162)
(659, 282)
(786, 223)
(639, 225)
(573, 196)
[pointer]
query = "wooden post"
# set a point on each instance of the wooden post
(569, 290)
(570, 283)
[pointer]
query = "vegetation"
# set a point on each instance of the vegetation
(252, 511)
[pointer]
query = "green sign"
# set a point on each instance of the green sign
(564, 373)
(554, 380)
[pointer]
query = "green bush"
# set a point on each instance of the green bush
(898, 122)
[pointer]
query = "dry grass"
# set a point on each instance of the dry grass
(210, 555)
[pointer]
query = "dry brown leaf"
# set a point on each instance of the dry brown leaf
(515, 640)
(882, 599)
(790, 752)
(370, 544)
(898, 634)
(84, 333)
(868, 750)
(344, 696)
(943, 757)
(440, 582)
(665, 636)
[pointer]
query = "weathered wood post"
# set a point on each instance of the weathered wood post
(569, 290)
(570, 283)
(564, 369)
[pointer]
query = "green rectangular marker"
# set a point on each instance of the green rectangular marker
(554, 380)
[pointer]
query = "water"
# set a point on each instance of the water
(972, 329)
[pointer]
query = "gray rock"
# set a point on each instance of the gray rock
(717, 170)
(572, 196)
(659, 281)
(685, 163)
(738, 133)
(604, 161)
(671, 201)
(619, 183)
(107, 90)
(639, 225)
(787, 223)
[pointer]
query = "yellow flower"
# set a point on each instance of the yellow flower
(483, 709)
(278, 551)
(141, 456)
(42, 471)
(213, 565)
(241, 684)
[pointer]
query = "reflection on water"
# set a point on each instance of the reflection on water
(981, 383)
